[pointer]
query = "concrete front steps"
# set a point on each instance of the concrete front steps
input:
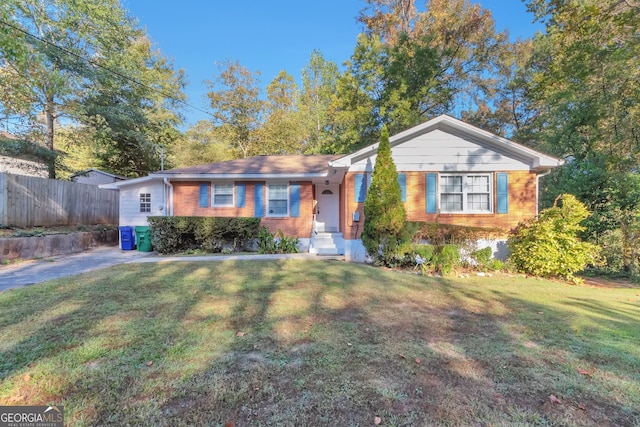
(327, 244)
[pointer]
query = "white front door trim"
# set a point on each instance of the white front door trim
(327, 216)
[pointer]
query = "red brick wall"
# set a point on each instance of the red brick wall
(301, 226)
(350, 229)
(522, 205)
(186, 202)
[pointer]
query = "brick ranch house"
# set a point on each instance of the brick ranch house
(449, 171)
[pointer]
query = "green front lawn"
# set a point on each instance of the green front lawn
(320, 343)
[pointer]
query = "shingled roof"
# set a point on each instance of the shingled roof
(267, 165)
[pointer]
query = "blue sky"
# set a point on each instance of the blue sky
(269, 36)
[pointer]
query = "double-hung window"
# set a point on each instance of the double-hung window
(451, 193)
(278, 200)
(465, 193)
(223, 195)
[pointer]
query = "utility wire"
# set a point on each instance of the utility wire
(95, 64)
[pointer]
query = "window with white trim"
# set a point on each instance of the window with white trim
(222, 195)
(465, 193)
(145, 202)
(277, 200)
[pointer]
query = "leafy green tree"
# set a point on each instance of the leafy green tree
(354, 111)
(319, 84)
(503, 105)
(287, 121)
(585, 86)
(605, 193)
(412, 90)
(54, 62)
(586, 80)
(41, 49)
(412, 65)
(283, 131)
(549, 245)
(384, 216)
(237, 107)
(468, 46)
(201, 143)
(78, 148)
(132, 119)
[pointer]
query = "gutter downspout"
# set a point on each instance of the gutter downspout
(538, 176)
(169, 210)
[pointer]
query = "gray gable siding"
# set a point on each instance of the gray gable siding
(447, 151)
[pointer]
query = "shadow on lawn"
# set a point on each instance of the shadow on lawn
(69, 314)
(354, 352)
(106, 330)
(313, 343)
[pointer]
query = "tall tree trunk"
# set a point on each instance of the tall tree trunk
(49, 113)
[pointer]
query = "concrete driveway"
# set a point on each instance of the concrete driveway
(36, 271)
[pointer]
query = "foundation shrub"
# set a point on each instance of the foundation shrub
(210, 234)
(446, 259)
(549, 246)
(276, 243)
(483, 261)
(404, 255)
(425, 251)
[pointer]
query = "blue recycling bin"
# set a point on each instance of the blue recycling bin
(127, 240)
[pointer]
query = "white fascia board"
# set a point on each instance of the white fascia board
(201, 176)
(546, 162)
(108, 186)
(337, 164)
(128, 182)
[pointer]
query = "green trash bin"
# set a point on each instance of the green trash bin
(143, 237)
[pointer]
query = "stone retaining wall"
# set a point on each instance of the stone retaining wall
(12, 248)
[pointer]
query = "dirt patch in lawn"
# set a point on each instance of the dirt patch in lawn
(601, 282)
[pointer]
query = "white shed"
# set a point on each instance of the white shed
(141, 198)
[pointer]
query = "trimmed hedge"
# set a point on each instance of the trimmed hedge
(170, 234)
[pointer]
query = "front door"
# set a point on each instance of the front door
(327, 208)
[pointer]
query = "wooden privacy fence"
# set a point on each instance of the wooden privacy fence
(27, 201)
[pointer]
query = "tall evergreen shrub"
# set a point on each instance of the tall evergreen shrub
(384, 216)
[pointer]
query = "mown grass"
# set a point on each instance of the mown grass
(319, 343)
